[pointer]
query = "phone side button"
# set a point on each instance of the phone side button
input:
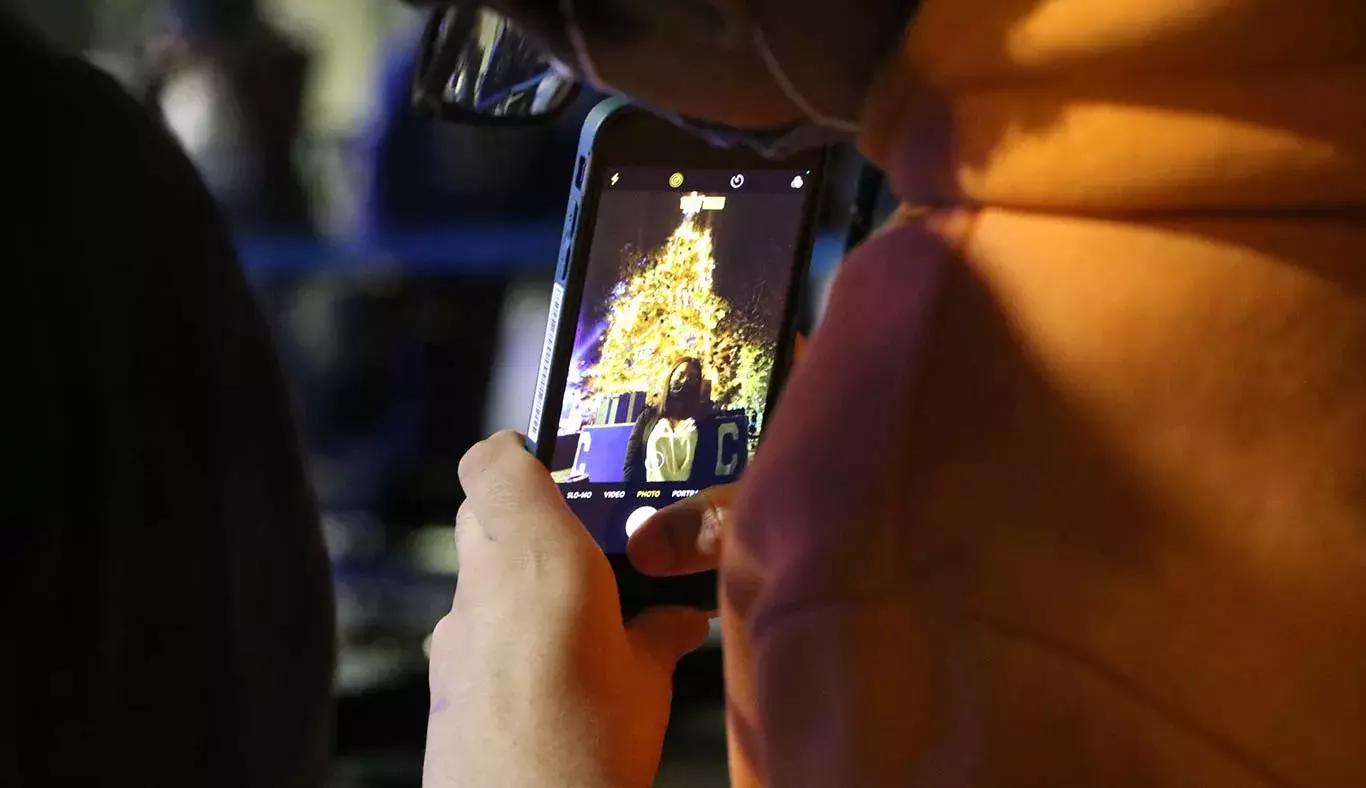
(565, 257)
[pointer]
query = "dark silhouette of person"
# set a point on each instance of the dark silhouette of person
(165, 597)
(674, 429)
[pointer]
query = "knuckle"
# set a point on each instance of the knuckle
(714, 521)
(445, 635)
(464, 519)
(550, 576)
(463, 513)
(466, 534)
(716, 514)
(538, 567)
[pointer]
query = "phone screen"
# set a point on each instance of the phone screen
(684, 301)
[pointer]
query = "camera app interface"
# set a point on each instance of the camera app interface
(676, 341)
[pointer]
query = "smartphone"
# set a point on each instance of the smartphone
(671, 325)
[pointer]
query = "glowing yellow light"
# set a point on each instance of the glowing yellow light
(694, 202)
(667, 309)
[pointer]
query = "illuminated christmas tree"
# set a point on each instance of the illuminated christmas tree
(666, 309)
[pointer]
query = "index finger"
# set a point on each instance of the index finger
(512, 494)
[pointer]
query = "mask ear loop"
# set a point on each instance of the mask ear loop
(775, 70)
(580, 44)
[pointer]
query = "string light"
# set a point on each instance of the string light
(667, 309)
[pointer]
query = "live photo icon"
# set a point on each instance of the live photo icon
(798, 182)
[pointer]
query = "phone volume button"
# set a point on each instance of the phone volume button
(572, 225)
(565, 257)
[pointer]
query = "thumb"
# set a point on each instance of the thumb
(665, 634)
(685, 538)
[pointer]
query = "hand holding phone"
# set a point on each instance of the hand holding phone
(671, 326)
(514, 701)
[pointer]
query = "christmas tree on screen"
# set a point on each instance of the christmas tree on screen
(666, 309)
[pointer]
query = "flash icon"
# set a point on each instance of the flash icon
(616, 176)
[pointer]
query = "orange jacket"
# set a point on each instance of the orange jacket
(1070, 489)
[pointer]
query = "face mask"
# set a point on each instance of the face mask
(817, 130)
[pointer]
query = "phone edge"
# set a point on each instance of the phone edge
(553, 349)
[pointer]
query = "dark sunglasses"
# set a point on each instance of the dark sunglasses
(476, 66)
